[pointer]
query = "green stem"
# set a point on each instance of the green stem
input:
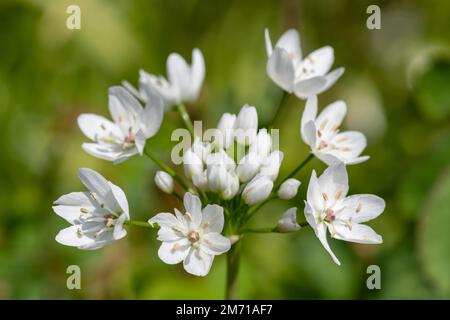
(253, 210)
(296, 170)
(186, 119)
(260, 230)
(283, 99)
(233, 255)
(165, 167)
(138, 223)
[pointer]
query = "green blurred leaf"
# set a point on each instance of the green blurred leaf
(434, 237)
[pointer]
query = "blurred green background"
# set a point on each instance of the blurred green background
(397, 86)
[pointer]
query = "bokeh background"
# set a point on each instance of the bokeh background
(397, 86)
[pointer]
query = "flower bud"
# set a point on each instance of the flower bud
(226, 128)
(200, 180)
(262, 144)
(192, 164)
(271, 165)
(246, 124)
(257, 190)
(201, 149)
(217, 177)
(164, 181)
(288, 223)
(248, 167)
(288, 189)
(232, 187)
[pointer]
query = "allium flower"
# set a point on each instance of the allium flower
(322, 134)
(257, 190)
(194, 237)
(293, 73)
(96, 216)
(288, 223)
(327, 207)
(184, 82)
(164, 181)
(126, 136)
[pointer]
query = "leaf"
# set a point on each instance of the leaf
(434, 235)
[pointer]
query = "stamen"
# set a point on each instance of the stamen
(358, 208)
(103, 126)
(84, 210)
(338, 195)
(189, 216)
(323, 124)
(325, 196)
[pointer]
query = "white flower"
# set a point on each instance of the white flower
(96, 216)
(192, 164)
(327, 207)
(248, 167)
(288, 189)
(194, 237)
(184, 82)
(293, 73)
(232, 186)
(322, 134)
(126, 136)
(246, 125)
(262, 144)
(164, 181)
(288, 223)
(257, 190)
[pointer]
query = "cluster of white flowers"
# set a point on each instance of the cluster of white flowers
(238, 168)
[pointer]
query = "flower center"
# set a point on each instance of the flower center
(130, 137)
(329, 215)
(109, 220)
(193, 236)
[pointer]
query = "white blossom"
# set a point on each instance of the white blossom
(164, 181)
(96, 216)
(293, 73)
(328, 207)
(257, 190)
(194, 237)
(126, 136)
(322, 134)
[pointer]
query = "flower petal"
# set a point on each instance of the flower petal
(119, 232)
(348, 145)
(280, 69)
(71, 206)
(164, 219)
(72, 236)
(358, 233)
(121, 198)
(309, 114)
(198, 262)
(215, 244)
(269, 48)
(362, 207)
(96, 127)
(179, 74)
(319, 61)
(124, 108)
(308, 87)
(173, 252)
(290, 41)
(321, 234)
(197, 73)
(334, 184)
(331, 117)
(314, 194)
(213, 218)
(193, 205)
(152, 115)
(332, 77)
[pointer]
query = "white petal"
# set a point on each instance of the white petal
(358, 160)
(72, 205)
(71, 237)
(332, 77)
(358, 233)
(96, 127)
(309, 87)
(100, 188)
(314, 194)
(198, 262)
(322, 235)
(108, 152)
(310, 216)
(362, 207)
(309, 114)
(269, 48)
(193, 205)
(124, 108)
(331, 117)
(348, 145)
(179, 74)
(169, 234)
(119, 232)
(334, 184)
(215, 244)
(290, 41)
(139, 141)
(120, 197)
(320, 60)
(280, 69)
(213, 218)
(164, 219)
(197, 73)
(309, 135)
(173, 252)
(327, 157)
(151, 116)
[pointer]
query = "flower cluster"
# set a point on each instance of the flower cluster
(229, 175)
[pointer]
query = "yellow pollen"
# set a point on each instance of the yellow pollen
(338, 195)
(358, 208)
(84, 210)
(325, 196)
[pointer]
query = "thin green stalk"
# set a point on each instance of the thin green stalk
(233, 255)
(138, 223)
(283, 99)
(186, 119)
(295, 171)
(260, 230)
(166, 168)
